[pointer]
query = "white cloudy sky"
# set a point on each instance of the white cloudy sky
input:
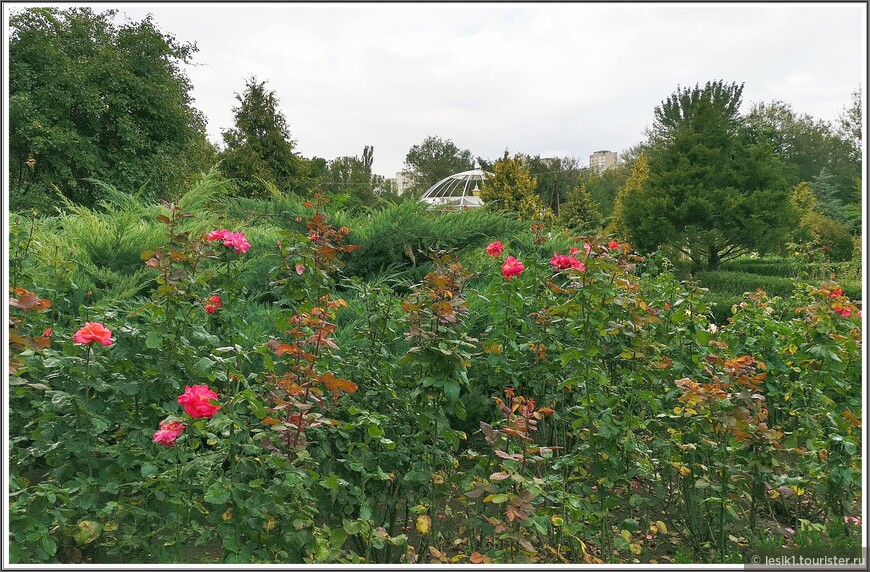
(549, 79)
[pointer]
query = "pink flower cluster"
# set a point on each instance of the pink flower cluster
(234, 240)
(198, 401)
(511, 267)
(563, 262)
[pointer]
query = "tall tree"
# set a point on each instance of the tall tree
(807, 146)
(712, 192)
(258, 150)
(351, 178)
(556, 176)
(580, 213)
(91, 99)
(511, 188)
(434, 159)
(850, 124)
(627, 192)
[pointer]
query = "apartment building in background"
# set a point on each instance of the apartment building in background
(601, 160)
(403, 182)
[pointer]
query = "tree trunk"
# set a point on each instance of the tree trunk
(713, 259)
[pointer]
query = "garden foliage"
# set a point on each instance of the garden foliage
(522, 400)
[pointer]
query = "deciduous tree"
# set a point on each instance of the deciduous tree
(93, 99)
(434, 159)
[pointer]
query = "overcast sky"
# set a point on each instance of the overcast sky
(548, 79)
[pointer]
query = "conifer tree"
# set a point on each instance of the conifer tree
(512, 189)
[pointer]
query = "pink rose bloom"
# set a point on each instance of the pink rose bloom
(210, 308)
(612, 245)
(218, 235)
(300, 268)
(587, 247)
(238, 242)
(197, 401)
(562, 262)
(860, 316)
(169, 431)
(93, 332)
(512, 267)
(844, 311)
(495, 248)
(573, 251)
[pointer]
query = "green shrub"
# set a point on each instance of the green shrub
(399, 236)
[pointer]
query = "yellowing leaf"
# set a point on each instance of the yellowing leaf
(270, 524)
(661, 527)
(423, 524)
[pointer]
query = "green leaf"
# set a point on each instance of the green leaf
(460, 411)
(351, 527)
(375, 430)
(451, 391)
(216, 494)
(152, 340)
(337, 537)
(131, 388)
(49, 545)
(148, 469)
(202, 366)
(257, 408)
(365, 512)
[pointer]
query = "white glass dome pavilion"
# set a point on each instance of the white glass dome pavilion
(460, 190)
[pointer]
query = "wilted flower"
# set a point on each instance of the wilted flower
(495, 248)
(169, 431)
